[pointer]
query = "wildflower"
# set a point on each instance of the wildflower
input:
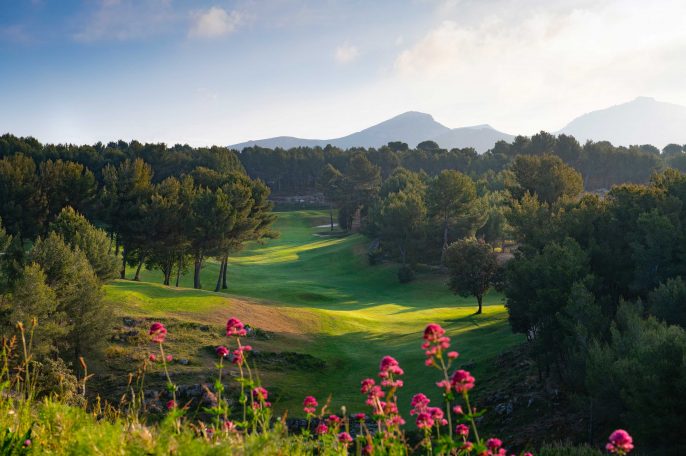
(419, 403)
(433, 332)
(467, 446)
(333, 420)
(388, 366)
(158, 332)
(424, 421)
(310, 405)
(345, 438)
(260, 394)
(620, 442)
(437, 415)
(152, 357)
(395, 420)
(494, 444)
(27, 442)
(367, 385)
(229, 426)
(445, 384)
(222, 351)
(169, 358)
(453, 354)
(360, 417)
(458, 410)
(234, 327)
(462, 429)
(528, 453)
(462, 381)
(321, 429)
(171, 405)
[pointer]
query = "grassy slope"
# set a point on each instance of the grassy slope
(319, 296)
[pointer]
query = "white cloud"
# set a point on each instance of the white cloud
(532, 65)
(346, 53)
(213, 23)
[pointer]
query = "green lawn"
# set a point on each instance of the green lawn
(318, 295)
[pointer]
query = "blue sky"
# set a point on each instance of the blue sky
(221, 72)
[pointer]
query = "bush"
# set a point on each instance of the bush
(405, 274)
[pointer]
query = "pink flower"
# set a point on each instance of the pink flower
(222, 351)
(462, 429)
(158, 332)
(458, 410)
(389, 366)
(462, 381)
(419, 403)
(367, 385)
(169, 358)
(445, 384)
(437, 415)
(229, 426)
(453, 354)
(321, 429)
(620, 442)
(424, 421)
(433, 332)
(260, 394)
(333, 420)
(171, 405)
(494, 444)
(310, 405)
(467, 446)
(27, 442)
(345, 438)
(360, 417)
(234, 327)
(528, 453)
(152, 357)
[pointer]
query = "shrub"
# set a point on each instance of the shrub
(405, 274)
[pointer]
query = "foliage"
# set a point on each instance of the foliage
(472, 267)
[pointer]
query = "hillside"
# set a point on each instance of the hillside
(641, 121)
(316, 296)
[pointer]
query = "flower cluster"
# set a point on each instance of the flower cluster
(234, 327)
(310, 405)
(238, 357)
(158, 333)
(260, 396)
(620, 442)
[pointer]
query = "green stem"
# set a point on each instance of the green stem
(465, 395)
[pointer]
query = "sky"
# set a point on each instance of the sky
(208, 72)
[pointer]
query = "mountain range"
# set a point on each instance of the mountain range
(641, 121)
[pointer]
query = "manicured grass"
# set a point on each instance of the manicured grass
(318, 295)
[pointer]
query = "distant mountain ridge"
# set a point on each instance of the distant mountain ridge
(641, 121)
(411, 127)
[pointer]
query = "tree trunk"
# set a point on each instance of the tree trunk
(445, 239)
(196, 272)
(124, 255)
(178, 270)
(480, 299)
(331, 215)
(137, 277)
(219, 278)
(168, 271)
(225, 284)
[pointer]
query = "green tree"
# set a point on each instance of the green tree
(66, 183)
(547, 177)
(33, 298)
(473, 268)
(402, 215)
(78, 293)
(78, 232)
(125, 197)
(668, 302)
(450, 195)
(23, 206)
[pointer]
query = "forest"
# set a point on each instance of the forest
(586, 244)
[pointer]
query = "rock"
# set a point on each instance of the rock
(184, 362)
(129, 321)
(204, 328)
